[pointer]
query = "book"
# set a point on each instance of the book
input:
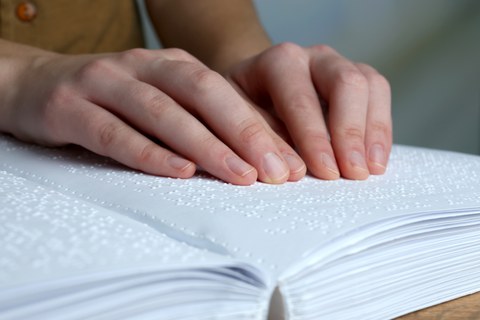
(83, 237)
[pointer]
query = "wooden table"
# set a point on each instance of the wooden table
(465, 308)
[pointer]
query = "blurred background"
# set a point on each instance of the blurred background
(429, 50)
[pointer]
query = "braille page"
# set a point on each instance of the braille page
(58, 252)
(272, 226)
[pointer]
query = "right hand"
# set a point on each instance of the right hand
(112, 103)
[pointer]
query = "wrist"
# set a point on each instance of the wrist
(17, 62)
(229, 55)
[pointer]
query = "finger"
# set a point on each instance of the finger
(158, 115)
(378, 135)
(295, 99)
(133, 59)
(208, 94)
(280, 135)
(102, 132)
(297, 166)
(264, 112)
(295, 163)
(346, 89)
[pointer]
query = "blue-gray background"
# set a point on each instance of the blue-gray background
(428, 49)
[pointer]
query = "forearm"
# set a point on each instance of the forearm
(218, 32)
(16, 61)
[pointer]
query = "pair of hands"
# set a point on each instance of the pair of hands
(263, 120)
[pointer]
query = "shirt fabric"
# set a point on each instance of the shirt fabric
(74, 26)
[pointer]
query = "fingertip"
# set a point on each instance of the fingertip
(356, 173)
(326, 174)
(377, 159)
(324, 166)
(187, 172)
(276, 180)
(355, 166)
(173, 166)
(246, 180)
(331, 171)
(275, 169)
(179, 167)
(296, 176)
(242, 172)
(297, 167)
(376, 168)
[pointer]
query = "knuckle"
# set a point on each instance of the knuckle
(205, 80)
(146, 154)
(107, 134)
(59, 96)
(323, 49)
(352, 134)
(380, 82)
(136, 54)
(98, 68)
(380, 128)
(313, 137)
(303, 102)
(374, 77)
(351, 77)
(180, 54)
(284, 54)
(209, 142)
(58, 99)
(251, 131)
(314, 134)
(157, 107)
(289, 49)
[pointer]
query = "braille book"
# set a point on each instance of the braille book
(83, 237)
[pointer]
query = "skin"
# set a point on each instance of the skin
(221, 98)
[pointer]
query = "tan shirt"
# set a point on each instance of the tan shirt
(72, 26)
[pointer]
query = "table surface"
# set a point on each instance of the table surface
(465, 308)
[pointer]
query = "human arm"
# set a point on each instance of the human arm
(284, 83)
(219, 33)
(113, 103)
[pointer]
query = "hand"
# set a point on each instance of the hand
(118, 104)
(290, 86)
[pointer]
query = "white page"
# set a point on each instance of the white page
(59, 252)
(45, 233)
(272, 226)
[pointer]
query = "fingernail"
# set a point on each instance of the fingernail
(294, 163)
(178, 162)
(357, 160)
(238, 166)
(329, 163)
(377, 155)
(274, 167)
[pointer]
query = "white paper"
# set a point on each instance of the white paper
(65, 258)
(289, 231)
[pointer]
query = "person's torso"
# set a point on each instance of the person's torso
(72, 26)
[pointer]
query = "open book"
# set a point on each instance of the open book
(85, 238)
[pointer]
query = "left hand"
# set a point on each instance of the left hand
(290, 86)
